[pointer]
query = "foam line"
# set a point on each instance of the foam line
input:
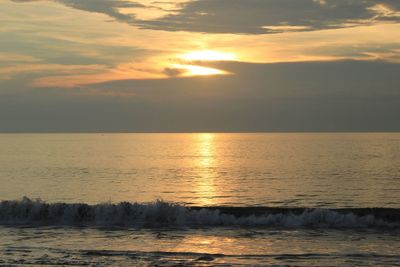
(160, 214)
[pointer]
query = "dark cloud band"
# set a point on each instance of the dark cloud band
(251, 16)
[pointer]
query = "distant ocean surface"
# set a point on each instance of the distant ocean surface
(303, 199)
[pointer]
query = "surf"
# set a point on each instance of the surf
(160, 213)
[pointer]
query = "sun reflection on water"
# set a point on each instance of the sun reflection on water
(206, 244)
(206, 187)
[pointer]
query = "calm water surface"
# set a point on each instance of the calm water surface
(323, 171)
(329, 170)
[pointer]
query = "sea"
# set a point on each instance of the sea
(200, 199)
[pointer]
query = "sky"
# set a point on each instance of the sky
(199, 65)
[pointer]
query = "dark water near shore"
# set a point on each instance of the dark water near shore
(312, 194)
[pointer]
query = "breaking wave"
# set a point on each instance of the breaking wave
(29, 212)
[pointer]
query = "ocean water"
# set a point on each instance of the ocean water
(297, 199)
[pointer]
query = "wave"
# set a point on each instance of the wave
(29, 212)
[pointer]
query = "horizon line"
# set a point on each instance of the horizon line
(187, 132)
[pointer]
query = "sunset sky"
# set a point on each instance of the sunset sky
(201, 66)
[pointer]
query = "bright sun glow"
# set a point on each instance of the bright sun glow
(198, 70)
(204, 55)
(208, 55)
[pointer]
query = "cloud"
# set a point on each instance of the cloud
(272, 16)
(250, 16)
(173, 72)
(62, 60)
(312, 96)
(366, 51)
(107, 7)
(252, 80)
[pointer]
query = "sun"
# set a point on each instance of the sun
(189, 63)
(192, 70)
(208, 55)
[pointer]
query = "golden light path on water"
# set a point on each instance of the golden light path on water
(205, 186)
